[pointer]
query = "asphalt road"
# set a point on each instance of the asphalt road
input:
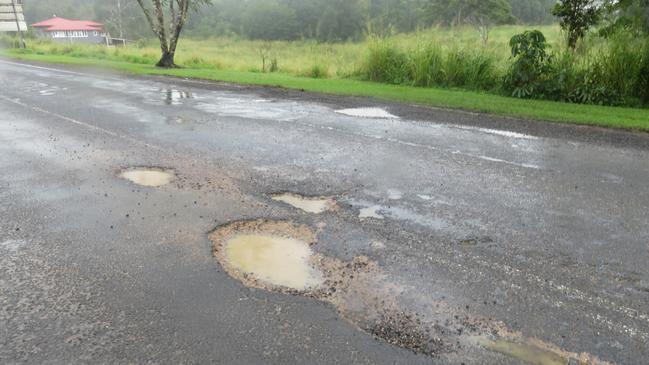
(538, 232)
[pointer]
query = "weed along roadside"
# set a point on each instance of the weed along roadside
(521, 72)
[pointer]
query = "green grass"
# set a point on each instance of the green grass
(340, 60)
(627, 118)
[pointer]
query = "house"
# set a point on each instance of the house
(71, 31)
(11, 16)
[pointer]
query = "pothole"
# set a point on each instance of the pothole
(148, 176)
(275, 260)
(315, 205)
(277, 256)
(526, 353)
(370, 212)
(377, 113)
(268, 254)
(174, 96)
(536, 352)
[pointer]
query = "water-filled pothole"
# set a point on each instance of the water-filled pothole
(370, 212)
(277, 256)
(267, 254)
(273, 259)
(315, 205)
(148, 176)
(529, 354)
(175, 97)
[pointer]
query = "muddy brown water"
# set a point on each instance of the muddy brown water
(527, 353)
(150, 177)
(273, 259)
(279, 256)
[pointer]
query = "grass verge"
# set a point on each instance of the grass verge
(611, 117)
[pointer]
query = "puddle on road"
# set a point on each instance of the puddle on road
(315, 205)
(529, 354)
(275, 260)
(376, 113)
(174, 96)
(267, 254)
(12, 245)
(150, 177)
(277, 256)
(370, 212)
(394, 194)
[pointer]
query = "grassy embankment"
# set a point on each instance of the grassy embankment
(333, 68)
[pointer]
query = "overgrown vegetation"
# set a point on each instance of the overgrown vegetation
(605, 63)
(430, 65)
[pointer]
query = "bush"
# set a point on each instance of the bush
(641, 88)
(428, 66)
(274, 65)
(317, 71)
(479, 71)
(528, 74)
(386, 63)
(590, 88)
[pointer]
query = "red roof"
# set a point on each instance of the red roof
(58, 24)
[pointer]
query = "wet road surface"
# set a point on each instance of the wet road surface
(468, 230)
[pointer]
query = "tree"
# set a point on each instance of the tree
(629, 15)
(177, 12)
(486, 13)
(531, 66)
(533, 11)
(577, 16)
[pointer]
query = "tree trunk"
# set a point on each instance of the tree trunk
(167, 60)
(157, 22)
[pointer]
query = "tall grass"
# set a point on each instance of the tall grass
(430, 64)
(612, 71)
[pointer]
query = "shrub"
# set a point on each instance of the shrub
(641, 87)
(431, 65)
(386, 63)
(428, 66)
(480, 72)
(529, 72)
(317, 71)
(590, 88)
(274, 66)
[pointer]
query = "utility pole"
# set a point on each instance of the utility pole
(21, 40)
(120, 24)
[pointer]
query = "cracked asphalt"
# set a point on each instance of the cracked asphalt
(541, 229)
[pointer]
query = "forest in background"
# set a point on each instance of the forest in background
(324, 20)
